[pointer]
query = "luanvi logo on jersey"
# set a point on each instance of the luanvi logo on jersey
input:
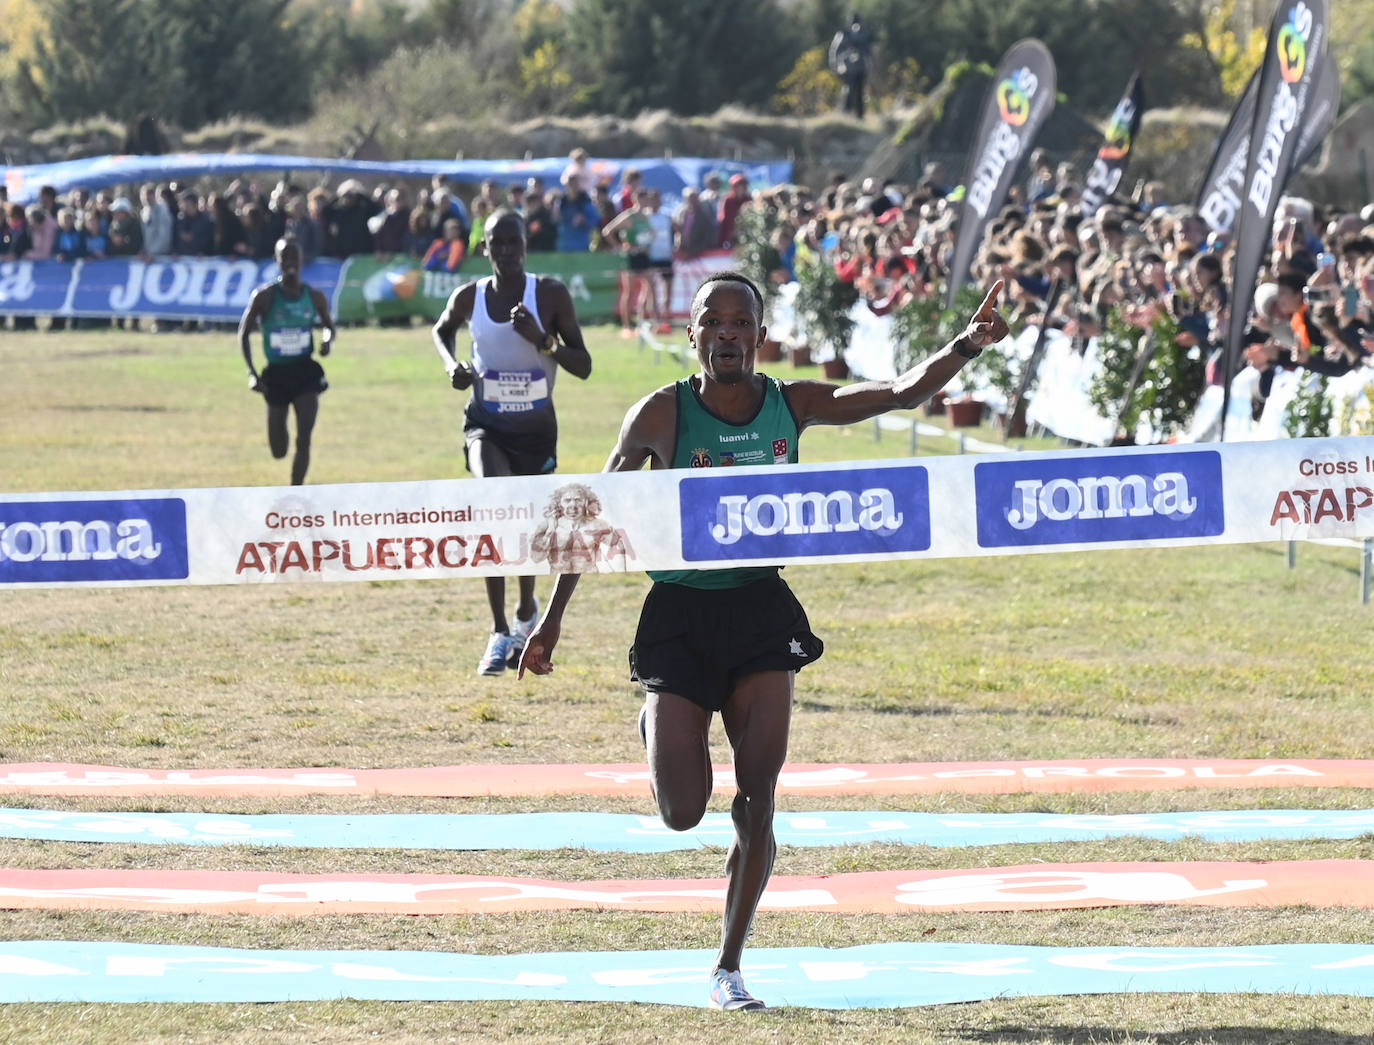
(758, 513)
(128, 540)
(1082, 500)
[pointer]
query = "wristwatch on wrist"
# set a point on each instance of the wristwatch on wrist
(966, 348)
(549, 345)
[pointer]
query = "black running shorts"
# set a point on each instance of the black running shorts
(700, 642)
(283, 383)
(531, 445)
(528, 454)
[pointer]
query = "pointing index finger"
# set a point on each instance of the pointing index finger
(990, 302)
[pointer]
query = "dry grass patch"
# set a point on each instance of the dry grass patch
(1212, 652)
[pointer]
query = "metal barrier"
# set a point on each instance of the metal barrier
(1366, 560)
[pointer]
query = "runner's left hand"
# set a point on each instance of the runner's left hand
(987, 327)
(526, 325)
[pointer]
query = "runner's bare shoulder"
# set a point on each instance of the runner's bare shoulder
(650, 426)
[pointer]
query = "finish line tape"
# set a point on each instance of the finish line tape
(888, 975)
(627, 833)
(632, 779)
(701, 518)
(1319, 883)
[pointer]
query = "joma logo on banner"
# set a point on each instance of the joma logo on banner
(16, 281)
(199, 283)
(93, 540)
(752, 515)
(1142, 497)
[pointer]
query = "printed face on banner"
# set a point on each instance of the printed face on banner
(576, 538)
(758, 514)
(1092, 499)
(124, 540)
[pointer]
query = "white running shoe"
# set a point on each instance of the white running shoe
(519, 635)
(493, 661)
(729, 993)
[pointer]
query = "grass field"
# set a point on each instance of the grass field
(1208, 652)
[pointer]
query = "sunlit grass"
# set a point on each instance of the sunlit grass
(1203, 652)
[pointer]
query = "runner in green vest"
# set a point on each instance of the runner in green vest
(731, 640)
(631, 228)
(286, 312)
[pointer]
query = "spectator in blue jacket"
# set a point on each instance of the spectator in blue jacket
(578, 217)
(94, 241)
(70, 243)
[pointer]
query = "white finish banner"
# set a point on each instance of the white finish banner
(703, 518)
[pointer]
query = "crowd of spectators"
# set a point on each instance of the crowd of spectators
(1133, 262)
(433, 224)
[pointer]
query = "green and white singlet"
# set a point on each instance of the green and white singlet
(707, 441)
(288, 329)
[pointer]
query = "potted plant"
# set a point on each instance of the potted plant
(823, 304)
(1310, 412)
(1146, 375)
(914, 325)
(758, 258)
(965, 412)
(921, 326)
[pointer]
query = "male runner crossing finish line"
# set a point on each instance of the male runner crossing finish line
(731, 640)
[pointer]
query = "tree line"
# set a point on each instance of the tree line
(192, 62)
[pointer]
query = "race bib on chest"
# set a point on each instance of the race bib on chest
(514, 391)
(291, 342)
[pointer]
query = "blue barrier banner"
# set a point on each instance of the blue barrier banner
(884, 975)
(215, 289)
(37, 288)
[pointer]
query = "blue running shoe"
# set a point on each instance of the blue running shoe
(493, 661)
